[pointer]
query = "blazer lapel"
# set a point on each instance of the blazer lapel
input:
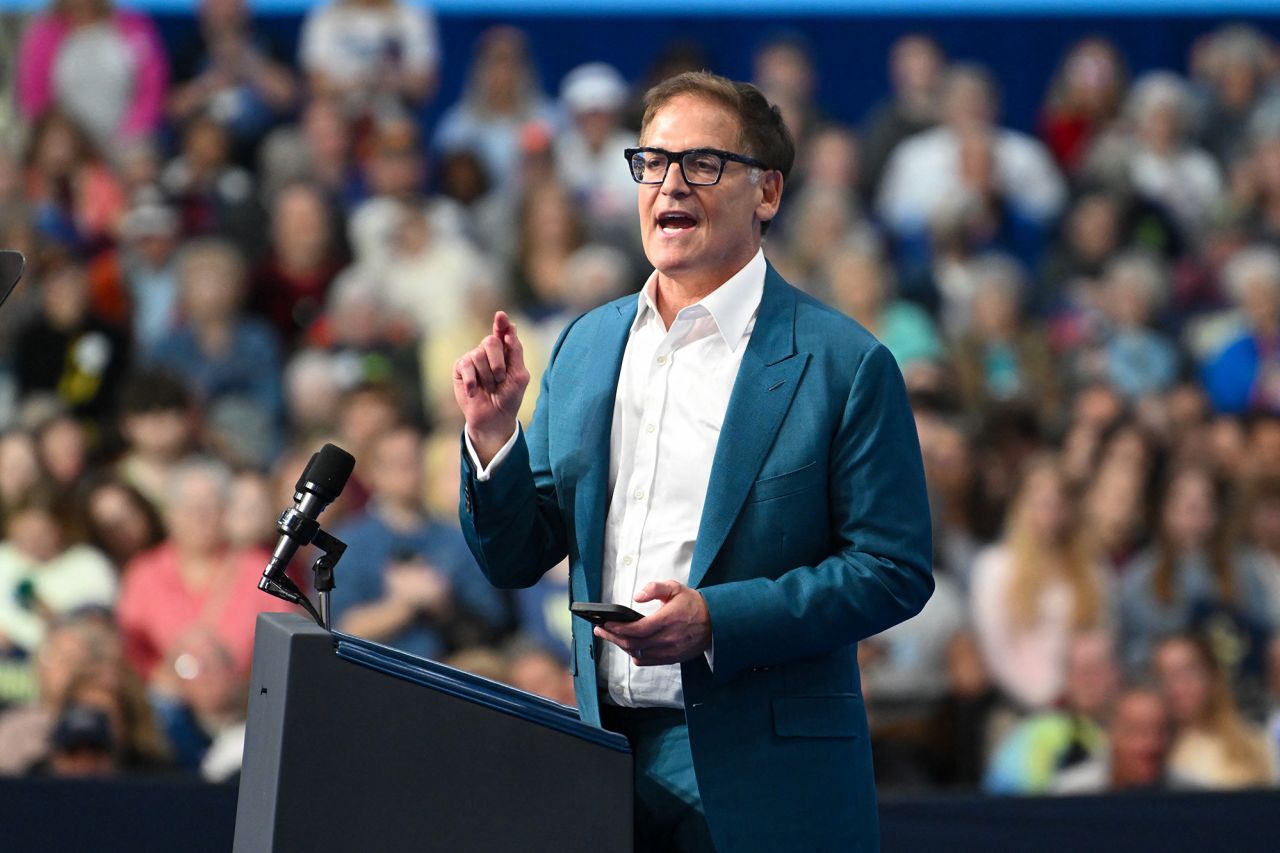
(762, 393)
(595, 394)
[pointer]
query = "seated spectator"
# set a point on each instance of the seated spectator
(407, 580)
(1122, 348)
(119, 520)
(926, 174)
(149, 272)
(73, 196)
(232, 73)
(587, 161)
(1072, 267)
(860, 287)
(65, 445)
(69, 352)
(783, 70)
(916, 65)
(251, 512)
(199, 698)
(1213, 746)
(1042, 748)
(373, 56)
(289, 287)
(1137, 755)
(1242, 375)
(317, 150)
(1155, 156)
(73, 644)
(158, 423)
(45, 573)
(821, 220)
(194, 578)
(1195, 574)
(551, 230)
(395, 181)
(212, 195)
(1037, 587)
(1000, 355)
(426, 274)
(104, 727)
(1237, 63)
(104, 66)
(593, 275)
(1084, 99)
(20, 466)
(220, 352)
(502, 94)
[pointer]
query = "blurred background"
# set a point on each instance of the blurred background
(253, 229)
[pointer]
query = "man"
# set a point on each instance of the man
(407, 579)
(738, 460)
(1137, 758)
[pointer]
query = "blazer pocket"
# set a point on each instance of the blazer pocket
(833, 715)
(781, 485)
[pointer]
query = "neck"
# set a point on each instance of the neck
(672, 295)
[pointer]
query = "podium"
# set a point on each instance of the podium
(353, 746)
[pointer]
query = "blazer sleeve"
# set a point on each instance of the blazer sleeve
(879, 570)
(512, 521)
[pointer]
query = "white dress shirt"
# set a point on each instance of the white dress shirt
(673, 392)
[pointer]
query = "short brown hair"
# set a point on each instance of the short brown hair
(764, 135)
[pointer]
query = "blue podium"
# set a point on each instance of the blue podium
(353, 746)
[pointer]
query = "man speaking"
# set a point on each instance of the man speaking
(739, 462)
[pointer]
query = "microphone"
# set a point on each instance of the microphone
(320, 484)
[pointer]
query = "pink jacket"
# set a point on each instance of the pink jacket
(39, 49)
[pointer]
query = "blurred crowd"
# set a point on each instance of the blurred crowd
(235, 254)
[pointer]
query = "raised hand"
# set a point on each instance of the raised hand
(489, 384)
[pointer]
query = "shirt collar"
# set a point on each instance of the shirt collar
(731, 305)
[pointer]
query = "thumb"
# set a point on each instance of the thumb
(658, 591)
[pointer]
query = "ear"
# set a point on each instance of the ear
(770, 195)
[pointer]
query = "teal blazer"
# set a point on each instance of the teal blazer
(815, 534)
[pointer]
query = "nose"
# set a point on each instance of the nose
(675, 185)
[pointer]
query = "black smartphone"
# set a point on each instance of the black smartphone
(598, 614)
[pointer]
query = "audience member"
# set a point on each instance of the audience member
(1194, 575)
(1137, 756)
(377, 57)
(407, 580)
(1213, 745)
(1045, 747)
(1036, 588)
(194, 578)
(44, 572)
(104, 66)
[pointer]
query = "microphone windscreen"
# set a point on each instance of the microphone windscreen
(327, 472)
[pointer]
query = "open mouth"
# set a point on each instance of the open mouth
(673, 222)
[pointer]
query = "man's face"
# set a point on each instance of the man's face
(1139, 741)
(701, 236)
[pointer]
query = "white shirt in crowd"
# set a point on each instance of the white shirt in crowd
(673, 392)
(924, 176)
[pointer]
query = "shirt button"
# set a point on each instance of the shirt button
(650, 428)
(626, 561)
(662, 359)
(639, 494)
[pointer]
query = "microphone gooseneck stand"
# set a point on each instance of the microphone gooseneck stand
(331, 548)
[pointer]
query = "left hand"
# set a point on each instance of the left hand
(679, 630)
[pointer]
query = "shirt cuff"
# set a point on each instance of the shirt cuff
(711, 655)
(482, 472)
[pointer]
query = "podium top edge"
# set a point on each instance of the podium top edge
(474, 688)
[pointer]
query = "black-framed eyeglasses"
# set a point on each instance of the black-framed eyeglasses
(701, 167)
